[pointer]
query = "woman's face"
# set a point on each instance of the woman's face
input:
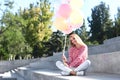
(73, 40)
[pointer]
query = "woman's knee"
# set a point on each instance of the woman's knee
(58, 63)
(89, 62)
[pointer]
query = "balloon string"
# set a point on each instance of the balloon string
(64, 45)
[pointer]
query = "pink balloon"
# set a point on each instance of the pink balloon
(64, 10)
(67, 19)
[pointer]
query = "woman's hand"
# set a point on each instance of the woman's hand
(64, 59)
(65, 64)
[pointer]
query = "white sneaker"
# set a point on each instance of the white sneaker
(63, 73)
(81, 73)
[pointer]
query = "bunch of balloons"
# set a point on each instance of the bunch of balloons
(69, 16)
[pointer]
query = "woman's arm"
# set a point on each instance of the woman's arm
(64, 59)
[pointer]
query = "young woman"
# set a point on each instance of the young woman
(77, 61)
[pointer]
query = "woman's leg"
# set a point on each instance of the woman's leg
(62, 67)
(83, 66)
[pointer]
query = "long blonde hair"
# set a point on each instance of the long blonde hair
(77, 38)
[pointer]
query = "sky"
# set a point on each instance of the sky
(88, 4)
(113, 4)
(86, 9)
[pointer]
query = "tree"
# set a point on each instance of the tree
(57, 41)
(26, 31)
(12, 41)
(11, 37)
(82, 32)
(37, 30)
(117, 24)
(8, 5)
(100, 23)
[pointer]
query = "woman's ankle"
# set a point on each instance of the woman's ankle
(73, 73)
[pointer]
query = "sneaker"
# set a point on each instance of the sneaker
(63, 73)
(81, 73)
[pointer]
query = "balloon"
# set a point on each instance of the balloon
(76, 19)
(67, 31)
(68, 25)
(68, 16)
(76, 4)
(60, 24)
(64, 10)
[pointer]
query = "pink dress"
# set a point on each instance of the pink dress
(77, 56)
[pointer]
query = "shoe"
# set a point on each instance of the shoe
(80, 73)
(63, 73)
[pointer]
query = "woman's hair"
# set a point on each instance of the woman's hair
(77, 38)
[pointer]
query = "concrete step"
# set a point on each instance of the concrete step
(112, 40)
(13, 64)
(109, 45)
(46, 74)
(8, 78)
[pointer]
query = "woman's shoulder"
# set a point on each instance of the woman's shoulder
(85, 47)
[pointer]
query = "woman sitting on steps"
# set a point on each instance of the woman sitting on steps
(77, 61)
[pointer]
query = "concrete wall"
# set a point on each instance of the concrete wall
(105, 63)
(106, 57)
(110, 45)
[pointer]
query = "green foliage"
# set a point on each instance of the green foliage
(13, 42)
(37, 30)
(11, 37)
(83, 33)
(57, 41)
(117, 24)
(9, 3)
(55, 44)
(100, 23)
(26, 31)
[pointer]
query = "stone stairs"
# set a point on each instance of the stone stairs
(47, 74)
(8, 78)
(104, 66)
(105, 60)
